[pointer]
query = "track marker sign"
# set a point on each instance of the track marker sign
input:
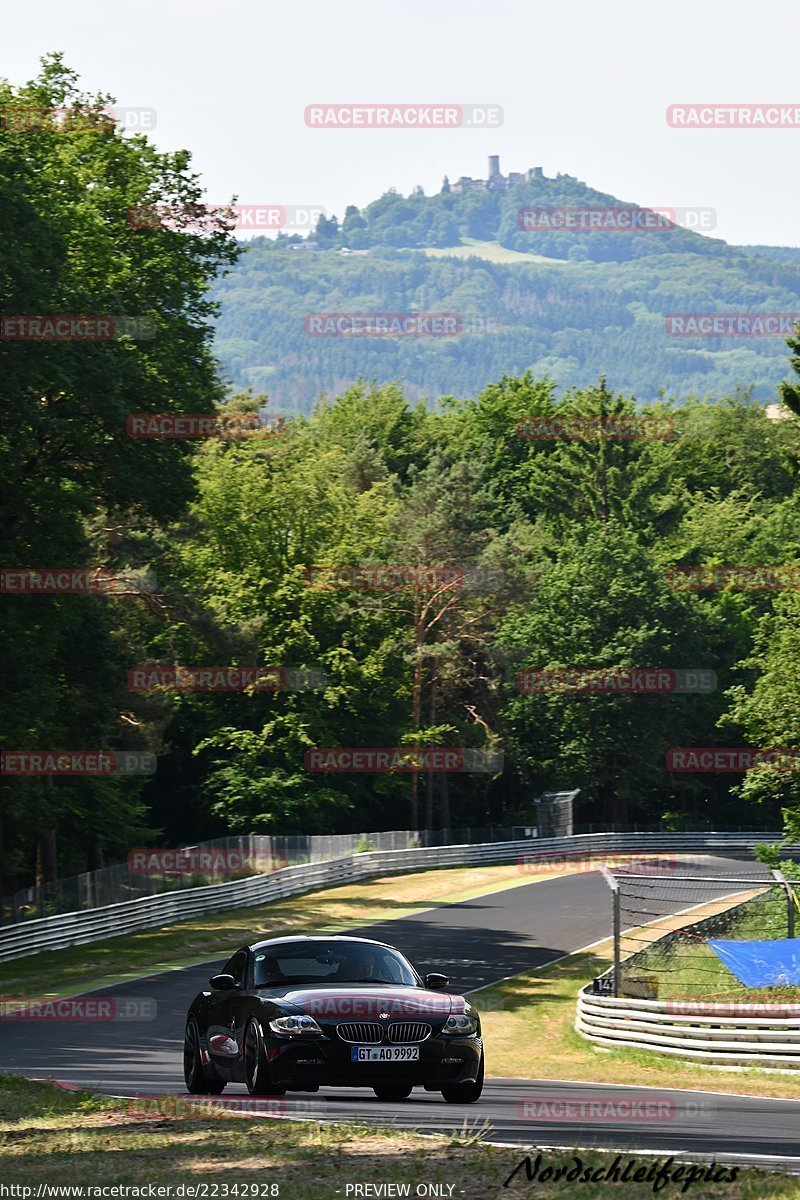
(603, 985)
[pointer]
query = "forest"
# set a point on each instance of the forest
(568, 305)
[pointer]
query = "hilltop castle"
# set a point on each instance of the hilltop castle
(496, 182)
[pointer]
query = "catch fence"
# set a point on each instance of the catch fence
(662, 925)
(670, 994)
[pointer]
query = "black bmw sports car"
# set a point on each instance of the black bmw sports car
(293, 1013)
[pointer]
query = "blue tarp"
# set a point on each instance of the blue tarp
(761, 964)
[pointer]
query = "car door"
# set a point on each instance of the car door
(225, 1031)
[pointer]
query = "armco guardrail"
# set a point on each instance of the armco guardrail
(761, 1035)
(148, 912)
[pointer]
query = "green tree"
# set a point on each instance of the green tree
(603, 604)
(768, 710)
(790, 392)
(267, 512)
(73, 475)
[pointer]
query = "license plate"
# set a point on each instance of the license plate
(384, 1053)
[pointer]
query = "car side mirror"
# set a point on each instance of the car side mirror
(223, 983)
(436, 980)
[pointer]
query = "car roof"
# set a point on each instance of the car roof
(304, 937)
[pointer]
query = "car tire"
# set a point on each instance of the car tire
(198, 1083)
(256, 1067)
(393, 1091)
(465, 1093)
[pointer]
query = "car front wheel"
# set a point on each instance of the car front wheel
(256, 1067)
(465, 1093)
(197, 1082)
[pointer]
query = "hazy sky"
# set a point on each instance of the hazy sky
(584, 85)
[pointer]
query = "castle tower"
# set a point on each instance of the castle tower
(494, 166)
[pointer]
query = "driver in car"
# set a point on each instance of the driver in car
(362, 965)
(269, 971)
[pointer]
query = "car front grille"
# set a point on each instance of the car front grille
(370, 1032)
(360, 1031)
(409, 1031)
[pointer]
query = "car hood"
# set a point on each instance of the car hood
(352, 1002)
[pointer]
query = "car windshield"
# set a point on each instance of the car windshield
(331, 963)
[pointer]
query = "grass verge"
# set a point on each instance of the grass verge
(51, 1137)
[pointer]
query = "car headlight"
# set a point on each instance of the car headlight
(294, 1025)
(462, 1024)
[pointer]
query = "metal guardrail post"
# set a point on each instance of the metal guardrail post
(614, 885)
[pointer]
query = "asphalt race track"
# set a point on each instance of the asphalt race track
(476, 942)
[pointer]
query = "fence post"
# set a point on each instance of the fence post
(787, 887)
(617, 960)
(614, 885)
